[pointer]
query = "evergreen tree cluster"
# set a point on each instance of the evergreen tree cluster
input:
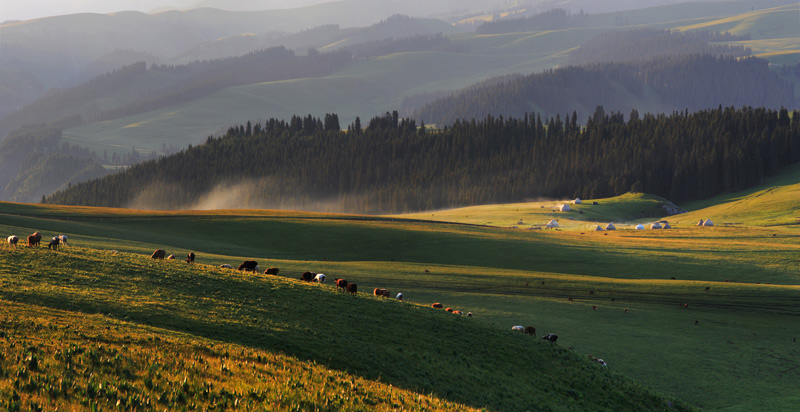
(555, 19)
(670, 83)
(393, 165)
(643, 44)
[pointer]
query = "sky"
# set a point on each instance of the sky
(31, 9)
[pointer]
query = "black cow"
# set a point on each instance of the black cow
(552, 337)
(249, 266)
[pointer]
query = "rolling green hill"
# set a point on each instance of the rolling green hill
(718, 333)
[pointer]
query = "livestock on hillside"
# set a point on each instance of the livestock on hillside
(12, 241)
(249, 266)
(226, 266)
(399, 296)
(381, 292)
(272, 271)
(158, 254)
(190, 257)
(340, 284)
(530, 330)
(34, 239)
(552, 337)
(518, 328)
(54, 243)
(469, 314)
(171, 257)
(320, 278)
(458, 312)
(63, 239)
(449, 309)
(307, 276)
(352, 288)
(437, 305)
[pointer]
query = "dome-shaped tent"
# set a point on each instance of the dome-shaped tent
(640, 227)
(656, 225)
(667, 226)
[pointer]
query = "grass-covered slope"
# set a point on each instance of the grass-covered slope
(86, 326)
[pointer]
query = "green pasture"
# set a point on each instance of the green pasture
(739, 281)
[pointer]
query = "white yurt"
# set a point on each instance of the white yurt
(708, 222)
(611, 226)
(598, 228)
(565, 208)
(667, 226)
(700, 223)
(552, 224)
(640, 227)
(577, 201)
(656, 225)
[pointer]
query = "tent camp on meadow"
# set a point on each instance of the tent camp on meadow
(564, 208)
(640, 227)
(552, 224)
(611, 226)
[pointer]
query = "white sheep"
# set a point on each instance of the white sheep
(12, 240)
(320, 278)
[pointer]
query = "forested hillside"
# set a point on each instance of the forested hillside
(394, 166)
(665, 84)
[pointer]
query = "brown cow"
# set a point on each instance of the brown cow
(158, 254)
(449, 309)
(381, 292)
(34, 239)
(249, 266)
(352, 288)
(271, 271)
(437, 305)
(340, 284)
(307, 276)
(458, 312)
(530, 330)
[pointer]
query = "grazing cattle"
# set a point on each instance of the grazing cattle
(307, 276)
(437, 305)
(249, 266)
(158, 254)
(352, 288)
(171, 257)
(12, 241)
(530, 330)
(458, 312)
(190, 257)
(226, 266)
(381, 292)
(570, 299)
(320, 278)
(34, 239)
(272, 271)
(399, 296)
(518, 328)
(469, 314)
(63, 239)
(552, 337)
(340, 284)
(54, 243)
(449, 309)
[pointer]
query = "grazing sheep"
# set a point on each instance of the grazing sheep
(399, 296)
(171, 257)
(272, 271)
(320, 278)
(340, 284)
(518, 328)
(249, 266)
(449, 309)
(34, 239)
(63, 239)
(552, 337)
(307, 276)
(12, 241)
(190, 257)
(352, 288)
(226, 266)
(437, 305)
(54, 243)
(530, 330)
(158, 254)
(458, 312)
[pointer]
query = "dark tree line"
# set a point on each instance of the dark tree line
(642, 44)
(394, 165)
(677, 82)
(555, 19)
(417, 43)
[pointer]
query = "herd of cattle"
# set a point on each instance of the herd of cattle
(36, 238)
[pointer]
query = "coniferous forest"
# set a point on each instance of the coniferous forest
(394, 165)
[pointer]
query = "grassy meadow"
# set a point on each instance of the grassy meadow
(721, 335)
